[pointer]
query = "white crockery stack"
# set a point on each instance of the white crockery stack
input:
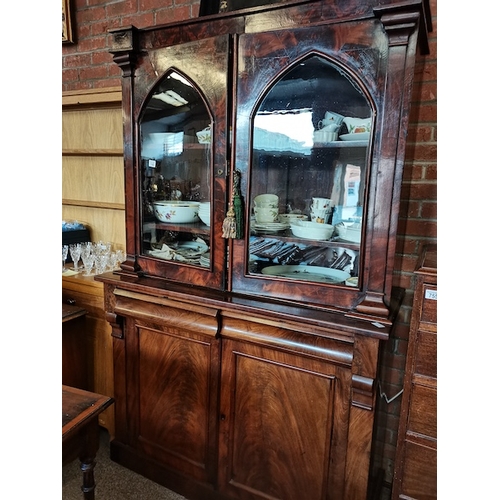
(204, 212)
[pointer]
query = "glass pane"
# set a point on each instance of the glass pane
(310, 144)
(175, 132)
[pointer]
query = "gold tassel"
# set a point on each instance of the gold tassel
(229, 224)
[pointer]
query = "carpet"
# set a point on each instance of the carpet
(113, 482)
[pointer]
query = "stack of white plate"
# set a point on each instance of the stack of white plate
(204, 212)
(269, 227)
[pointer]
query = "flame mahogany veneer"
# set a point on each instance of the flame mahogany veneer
(228, 386)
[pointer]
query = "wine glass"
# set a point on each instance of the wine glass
(75, 250)
(86, 249)
(112, 261)
(65, 249)
(101, 247)
(101, 261)
(88, 259)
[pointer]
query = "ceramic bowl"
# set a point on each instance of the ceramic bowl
(358, 125)
(288, 218)
(311, 230)
(176, 211)
(204, 212)
(349, 231)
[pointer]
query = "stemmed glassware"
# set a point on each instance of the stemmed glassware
(102, 251)
(65, 249)
(112, 261)
(97, 257)
(120, 255)
(86, 249)
(75, 249)
(101, 261)
(88, 258)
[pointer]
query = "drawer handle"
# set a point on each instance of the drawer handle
(71, 302)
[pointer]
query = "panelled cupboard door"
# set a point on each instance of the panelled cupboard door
(171, 394)
(283, 425)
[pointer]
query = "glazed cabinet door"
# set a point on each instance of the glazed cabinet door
(283, 425)
(312, 108)
(170, 362)
(176, 163)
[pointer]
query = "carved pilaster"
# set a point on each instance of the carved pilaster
(116, 323)
(123, 47)
(399, 21)
(363, 392)
(364, 372)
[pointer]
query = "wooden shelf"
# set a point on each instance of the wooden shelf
(93, 97)
(93, 204)
(95, 152)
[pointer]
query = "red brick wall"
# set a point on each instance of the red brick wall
(417, 227)
(88, 65)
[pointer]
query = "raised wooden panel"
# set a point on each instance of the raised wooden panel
(104, 224)
(179, 379)
(419, 462)
(426, 354)
(280, 415)
(94, 179)
(428, 318)
(423, 411)
(92, 129)
(174, 373)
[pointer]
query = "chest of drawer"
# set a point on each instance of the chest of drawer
(428, 315)
(423, 410)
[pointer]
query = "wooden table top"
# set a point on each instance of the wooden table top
(78, 407)
(70, 312)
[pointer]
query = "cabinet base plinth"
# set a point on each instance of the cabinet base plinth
(141, 464)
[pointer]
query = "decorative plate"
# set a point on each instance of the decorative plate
(308, 273)
(362, 136)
